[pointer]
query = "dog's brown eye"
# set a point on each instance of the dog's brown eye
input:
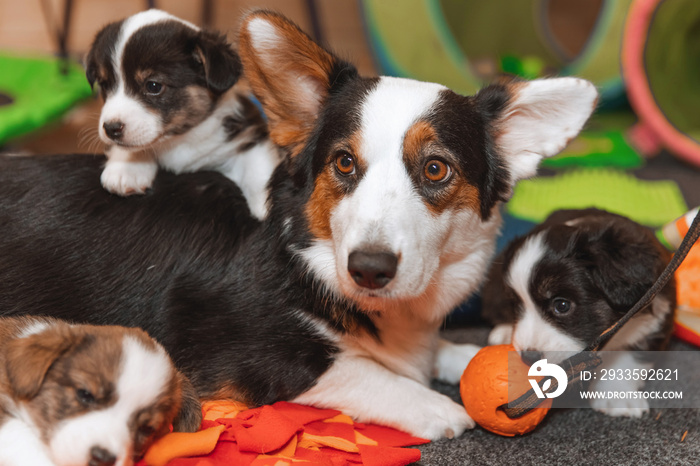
(154, 88)
(345, 163)
(85, 397)
(437, 171)
(561, 305)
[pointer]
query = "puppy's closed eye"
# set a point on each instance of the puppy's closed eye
(85, 397)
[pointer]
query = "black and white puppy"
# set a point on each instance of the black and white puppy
(572, 277)
(383, 217)
(169, 100)
(79, 395)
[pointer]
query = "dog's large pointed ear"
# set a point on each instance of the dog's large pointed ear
(29, 358)
(222, 65)
(532, 120)
(290, 74)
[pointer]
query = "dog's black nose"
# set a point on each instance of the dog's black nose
(114, 129)
(530, 357)
(372, 269)
(101, 457)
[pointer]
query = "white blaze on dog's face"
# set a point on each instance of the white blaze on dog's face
(97, 395)
(159, 77)
(406, 176)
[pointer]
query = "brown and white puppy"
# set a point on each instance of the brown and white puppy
(85, 395)
(170, 102)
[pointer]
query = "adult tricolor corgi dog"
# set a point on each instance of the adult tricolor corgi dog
(383, 217)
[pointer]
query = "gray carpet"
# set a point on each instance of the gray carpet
(574, 436)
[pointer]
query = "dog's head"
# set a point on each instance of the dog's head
(399, 181)
(575, 276)
(97, 395)
(159, 76)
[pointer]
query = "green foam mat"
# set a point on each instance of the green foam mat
(651, 203)
(597, 149)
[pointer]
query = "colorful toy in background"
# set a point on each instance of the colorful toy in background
(661, 66)
(651, 203)
(36, 91)
(597, 148)
(687, 325)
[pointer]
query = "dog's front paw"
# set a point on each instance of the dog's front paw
(621, 408)
(439, 418)
(127, 178)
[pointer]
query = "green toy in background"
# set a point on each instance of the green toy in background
(36, 91)
(597, 149)
(651, 203)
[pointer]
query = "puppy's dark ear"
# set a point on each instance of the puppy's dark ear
(100, 52)
(29, 359)
(222, 66)
(626, 260)
(290, 74)
(189, 418)
(90, 68)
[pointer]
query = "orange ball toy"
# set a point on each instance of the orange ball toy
(484, 387)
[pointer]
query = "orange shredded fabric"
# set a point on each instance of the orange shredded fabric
(178, 444)
(283, 434)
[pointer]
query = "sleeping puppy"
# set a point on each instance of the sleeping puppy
(572, 277)
(169, 101)
(85, 395)
(383, 217)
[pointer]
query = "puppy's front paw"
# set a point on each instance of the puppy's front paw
(502, 334)
(440, 417)
(452, 359)
(621, 408)
(127, 178)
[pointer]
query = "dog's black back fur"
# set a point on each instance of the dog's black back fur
(201, 286)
